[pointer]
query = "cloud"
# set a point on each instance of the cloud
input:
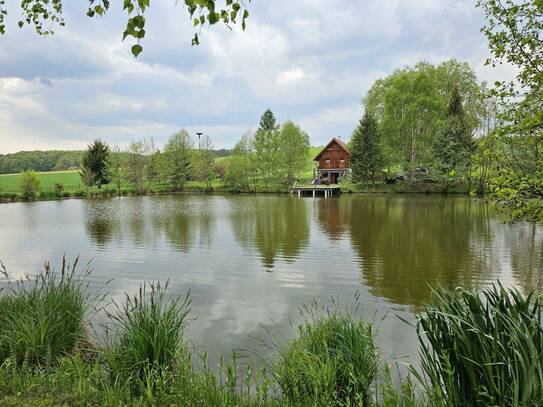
(310, 61)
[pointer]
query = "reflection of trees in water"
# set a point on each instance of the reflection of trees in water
(525, 242)
(183, 221)
(332, 215)
(101, 221)
(186, 221)
(405, 244)
(275, 226)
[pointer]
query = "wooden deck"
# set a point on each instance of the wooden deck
(316, 190)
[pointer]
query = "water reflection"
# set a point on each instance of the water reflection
(275, 226)
(389, 248)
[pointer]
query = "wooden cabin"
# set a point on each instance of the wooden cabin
(334, 161)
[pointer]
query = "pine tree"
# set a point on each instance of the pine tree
(266, 147)
(267, 121)
(366, 156)
(95, 165)
(454, 144)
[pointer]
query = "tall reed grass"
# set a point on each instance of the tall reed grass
(148, 345)
(332, 361)
(482, 348)
(43, 319)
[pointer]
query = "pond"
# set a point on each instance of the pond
(250, 262)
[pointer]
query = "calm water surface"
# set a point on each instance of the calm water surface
(251, 261)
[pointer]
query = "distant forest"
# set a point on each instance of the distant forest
(52, 160)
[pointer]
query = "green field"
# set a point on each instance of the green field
(9, 183)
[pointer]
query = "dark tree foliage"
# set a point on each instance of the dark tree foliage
(454, 144)
(44, 14)
(267, 121)
(366, 156)
(95, 165)
(40, 161)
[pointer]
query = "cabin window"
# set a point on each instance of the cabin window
(327, 161)
(342, 161)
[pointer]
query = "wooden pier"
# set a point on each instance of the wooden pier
(316, 190)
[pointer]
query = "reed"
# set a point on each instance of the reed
(332, 361)
(43, 319)
(482, 348)
(147, 348)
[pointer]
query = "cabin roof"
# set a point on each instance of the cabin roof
(336, 140)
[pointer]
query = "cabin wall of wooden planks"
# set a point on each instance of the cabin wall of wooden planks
(334, 157)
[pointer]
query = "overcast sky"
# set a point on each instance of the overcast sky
(310, 61)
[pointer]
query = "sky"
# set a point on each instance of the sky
(310, 61)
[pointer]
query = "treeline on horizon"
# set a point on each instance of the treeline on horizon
(54, 160)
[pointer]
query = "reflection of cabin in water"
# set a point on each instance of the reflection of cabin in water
(334, 161)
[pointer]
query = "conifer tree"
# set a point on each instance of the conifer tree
(366, 156)
(454, 144)
(266, 147)
(95, 165)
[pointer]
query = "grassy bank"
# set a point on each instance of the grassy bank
(72, 187)
(477, 348)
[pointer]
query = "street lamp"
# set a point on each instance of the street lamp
(199, 135)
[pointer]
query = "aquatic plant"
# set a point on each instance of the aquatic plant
(332, 361)
(43, 318)
(148, 341)
(482, 348)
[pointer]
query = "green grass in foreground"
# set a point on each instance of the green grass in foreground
(478, 349)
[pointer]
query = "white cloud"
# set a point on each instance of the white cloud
(291, 77)
(310, 61)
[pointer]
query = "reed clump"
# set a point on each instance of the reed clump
(148, 348)
(332, 361)
(482, 348)
(43, 319)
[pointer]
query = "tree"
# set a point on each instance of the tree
(136, 165)
(96, 164)
(293, 151)
(204, 165)
(177, 156)
(30, 184)
(241, 172)
(40, 13)
(411, 103)
(366, 157)
(514, 30)
(117, 168)
(454, 144)
(266, 144)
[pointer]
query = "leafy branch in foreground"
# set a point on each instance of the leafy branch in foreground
(43, 15)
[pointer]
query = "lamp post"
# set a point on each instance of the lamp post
(199, 134)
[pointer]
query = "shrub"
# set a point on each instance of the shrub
(30, 184)
(483, 348)
(43, 319)
(332, 361)
(59, 189)
(149, 340)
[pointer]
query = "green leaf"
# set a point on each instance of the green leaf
(136, 50)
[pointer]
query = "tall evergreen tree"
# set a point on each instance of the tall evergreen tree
(454, 144)
(267, 121)
(366, 156)
(266, 143)
(95, 164)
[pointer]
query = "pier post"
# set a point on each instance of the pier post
(313, 193)
(299, 193)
